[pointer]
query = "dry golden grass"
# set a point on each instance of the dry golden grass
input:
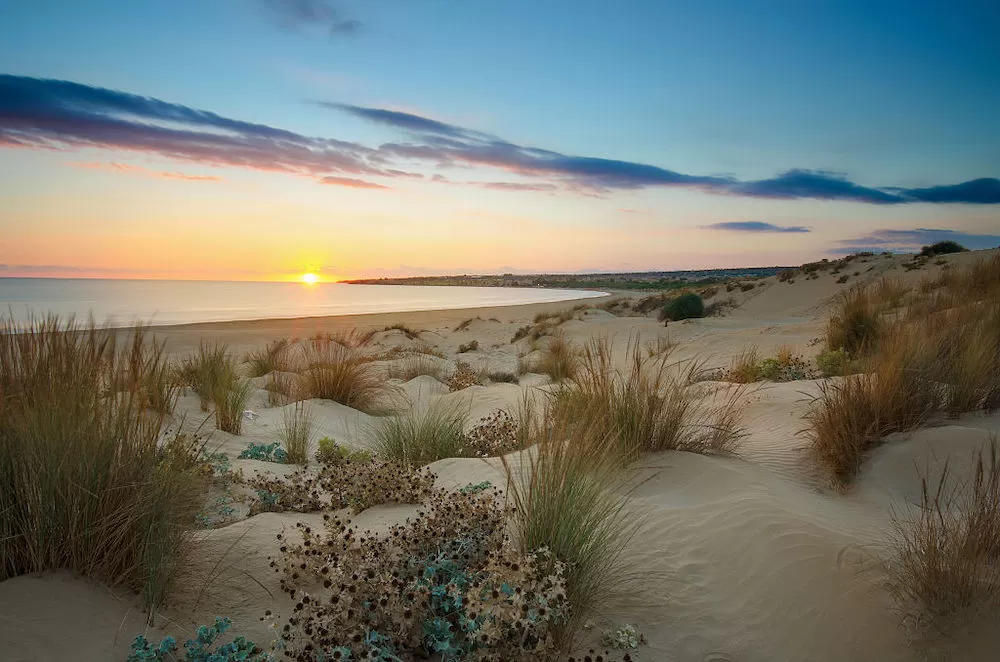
(856, 323)
(84, 484)
(853, 414)
(334, 372)
(649, 407)
(268, 359)
(745, 368)
(944, 565)
(559, 360)
(416, 365)
(282, 388)
(936, 356)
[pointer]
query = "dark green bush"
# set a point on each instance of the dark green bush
(943, 248)
(686, 306)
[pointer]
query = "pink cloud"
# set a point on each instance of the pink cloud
(130, 169)
(350, 183)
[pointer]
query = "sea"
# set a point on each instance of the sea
(120, 303)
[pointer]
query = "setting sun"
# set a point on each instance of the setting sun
(310, 279)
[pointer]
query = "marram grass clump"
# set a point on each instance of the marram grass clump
(86, 483)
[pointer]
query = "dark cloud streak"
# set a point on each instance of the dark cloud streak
(756, 226)
(51, 114)
(297, 15)
(913, 240)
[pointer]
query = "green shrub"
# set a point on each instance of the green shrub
(942, 248)
(686, 306)
(330, 452)
(833, 362)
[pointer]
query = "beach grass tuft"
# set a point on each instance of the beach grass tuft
(85, 483)
(943, 566)
(418, 437)
(268, 359)
(335, 372)
(298, 425)
(567, 497)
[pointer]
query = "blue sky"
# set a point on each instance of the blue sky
(486, 136)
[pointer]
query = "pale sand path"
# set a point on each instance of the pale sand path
(746, 558)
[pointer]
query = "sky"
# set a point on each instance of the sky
(264, 139)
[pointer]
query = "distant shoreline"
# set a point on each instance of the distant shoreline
(637, 281)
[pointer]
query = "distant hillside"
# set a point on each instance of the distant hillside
(644, 280)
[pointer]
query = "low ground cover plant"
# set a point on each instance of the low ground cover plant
(203, 648)
(446, 582)
(272, 452)
(345, 483)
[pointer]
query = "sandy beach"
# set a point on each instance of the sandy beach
(751, 557)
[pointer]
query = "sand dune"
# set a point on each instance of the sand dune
(744, 558)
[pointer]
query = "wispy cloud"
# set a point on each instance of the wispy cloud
(448, 144)
(755, 226)
(40, 113)
(517, 186)
(297, 15)
(349, 182)
(913, 240)
(51, 114)
(145, 172)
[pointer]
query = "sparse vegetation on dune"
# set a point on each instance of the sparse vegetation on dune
(744, 368)
(84, 483)
(934, 356)
(784, 366)
(213, 374)
(470, 346)
(410, 333)
(943, 565)
(856, 323)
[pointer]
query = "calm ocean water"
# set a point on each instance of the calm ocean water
(123, 302)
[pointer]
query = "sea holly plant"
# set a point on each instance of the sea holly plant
(446, 584)
(265, 452)
(203, 648)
